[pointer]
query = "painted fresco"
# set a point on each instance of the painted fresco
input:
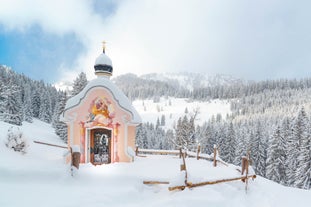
(101, 113)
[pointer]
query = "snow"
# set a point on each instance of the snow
(75, 148)
(40, 178)
(103, 59)
(174, 108)
(104, 82)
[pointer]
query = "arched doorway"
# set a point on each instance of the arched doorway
(100, 146)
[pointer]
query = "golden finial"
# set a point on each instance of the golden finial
(104, 46)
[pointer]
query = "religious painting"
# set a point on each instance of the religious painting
(101, 113)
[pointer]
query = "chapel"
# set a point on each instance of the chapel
(101, 119)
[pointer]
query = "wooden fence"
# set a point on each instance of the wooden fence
(214, 158)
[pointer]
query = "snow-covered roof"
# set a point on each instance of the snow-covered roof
(118, 95)
(103, 59)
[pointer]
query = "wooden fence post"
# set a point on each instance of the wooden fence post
(184, 168)
(180, 152)
(215, 154)
(245, 165)
(198, 151)
(136, 151)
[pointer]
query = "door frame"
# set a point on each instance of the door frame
(90, 140)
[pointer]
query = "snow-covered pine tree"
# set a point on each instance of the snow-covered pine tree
(287, 134)
(45, 113)
(241, 147)
(292, 154)
(282, 142)
(163, 120)
(79, 83)
(185, 133)
(151, 136)
(169, 135)
(3, 100)
(59, 107)
(255, 139)
(36, 103)
(59, 126)
(158, 123)
(209, 139)
(141, 137)
(262, 157)
(160, 137)
(228, 150)
(13, 108)
(258, 149)
(273, 157)
(27, 111)
(302, 132)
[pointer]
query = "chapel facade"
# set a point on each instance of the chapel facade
(101, 119)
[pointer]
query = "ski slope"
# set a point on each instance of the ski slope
(40, 178)
(174, 108)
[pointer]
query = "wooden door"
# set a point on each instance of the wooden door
(100, 146)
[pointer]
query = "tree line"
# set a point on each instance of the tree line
(280, 149)
(136, 87)
(23, 99)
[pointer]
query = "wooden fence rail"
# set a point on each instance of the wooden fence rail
(52, 145)
(197, 155)
(156, 152)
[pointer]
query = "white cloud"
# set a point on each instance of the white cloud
(244, 38)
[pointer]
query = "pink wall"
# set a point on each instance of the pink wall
(105, 112)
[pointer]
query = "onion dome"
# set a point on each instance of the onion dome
(103, 64)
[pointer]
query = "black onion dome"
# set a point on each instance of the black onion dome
(103, 64)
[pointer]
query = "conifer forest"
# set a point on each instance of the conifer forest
(270, 120)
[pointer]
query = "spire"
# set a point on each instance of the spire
(103, 64)
(104, 46)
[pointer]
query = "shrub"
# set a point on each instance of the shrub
(16, 140)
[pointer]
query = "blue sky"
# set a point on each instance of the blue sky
(55, 40)
(38, 54)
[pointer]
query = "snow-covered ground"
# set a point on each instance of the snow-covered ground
(173, 108)
(40, 178)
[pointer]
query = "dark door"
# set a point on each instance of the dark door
(100, 146)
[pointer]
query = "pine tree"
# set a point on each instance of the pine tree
(45, 113)
(79, 84)
(13, 108)
(211, 136)
(158, 123)
(141, 137)
(59, 126)
(286, 134)
(292, 154)
(258, 150)
(241, 143)
(36, 103)
(27, 111)
(3, 99)
(302, 178)
(262, 157)
(273, 159)
(282, 154)
(228, 151)
(163, 120)
(185, 133)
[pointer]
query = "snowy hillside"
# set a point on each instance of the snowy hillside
(174, 108)
(40, 178)
(192, 80)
